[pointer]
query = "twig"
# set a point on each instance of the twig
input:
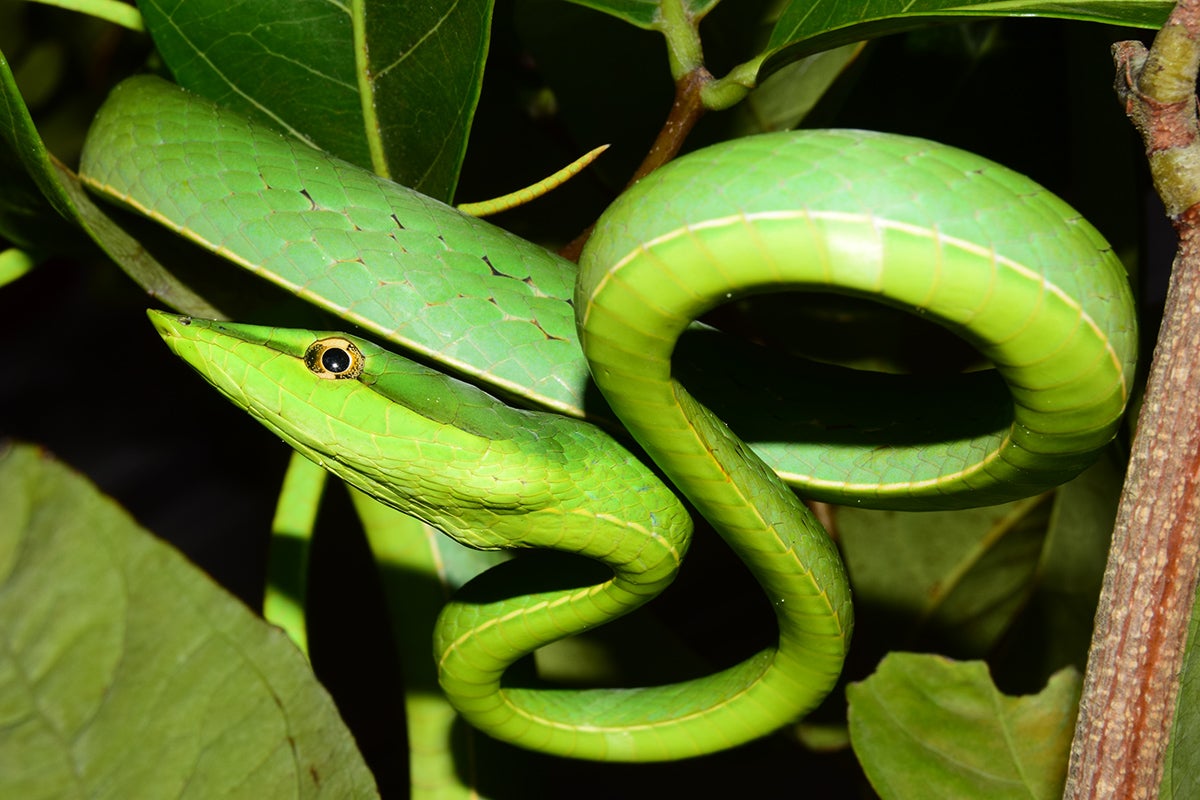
(1131, 684)
(686, 111)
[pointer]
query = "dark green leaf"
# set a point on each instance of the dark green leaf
(291, 65)
(39, 194)
(806, 27)
(425, 72)
(1055, 628)
(33, 204)
(387, 88)
(946, 580)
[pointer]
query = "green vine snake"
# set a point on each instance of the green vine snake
(923, 227)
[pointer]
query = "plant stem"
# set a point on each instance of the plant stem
(1131, 683)
(682, 32)
(685, 113)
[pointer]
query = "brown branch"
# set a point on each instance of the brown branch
(686, 111)
(1131, 684)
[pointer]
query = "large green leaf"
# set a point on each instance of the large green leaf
(809, 26)
(924, 727)
(390, 89)
(127, 673)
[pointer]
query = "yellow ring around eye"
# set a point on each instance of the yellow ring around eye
(334, 359)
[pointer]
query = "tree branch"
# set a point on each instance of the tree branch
(686, 111)
(1131, 684)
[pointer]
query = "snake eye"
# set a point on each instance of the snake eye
(334, 359)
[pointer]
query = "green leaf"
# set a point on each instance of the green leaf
(33, 203)
(1181, 764)
(13, 264)
(782, 101)
(117, 12)
(39, 193)
(926, 727)
(127, 673)
(391, 90)
(1055, 628)
(247, 55)
(419, 569)
(425, 74)
(285, 601)
(806, 27)
(953, 580)
(646, 13)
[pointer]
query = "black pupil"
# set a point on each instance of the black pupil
(335, 360)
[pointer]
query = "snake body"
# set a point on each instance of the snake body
(927, 228)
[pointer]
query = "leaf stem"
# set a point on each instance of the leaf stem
(732, 89)
(682, 31)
